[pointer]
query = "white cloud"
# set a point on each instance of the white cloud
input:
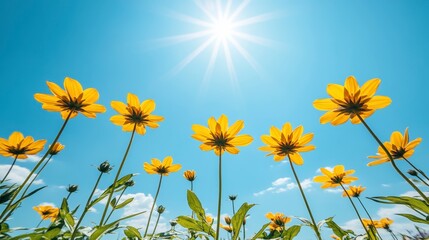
(18, 174)
(334, 190)
(414, 194)
(385, 185)
(33, 158)
(47, 204)
(143, 202)
(328, 168)
(283, 185)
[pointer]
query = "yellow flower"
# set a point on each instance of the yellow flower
(333, 236)
(399, 147)
(336, 177)
(278, 221)
(190, 175)
(19, 147)
(219, 137)
(56, 148)
(349, 100)
(135, 113)
(47, 211)
(354, 191)
(384, 223)
(73, 99)
(226, 228)
(209, 220)
(368, 223)
(162, 168)
(287, 142)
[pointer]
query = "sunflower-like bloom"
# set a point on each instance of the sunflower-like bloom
(19, 147)
(399, 147)
(349, 100)
(335, 178)
(58, 147)
(384, 223)
(135, 114)
(209, 220)
(70, 99)
(278, 221)
(219, 137)
(190, 175)
(354, 191)
(368, 223)
(226, 228)
(162, 168)
(287, 142)
(47, 212)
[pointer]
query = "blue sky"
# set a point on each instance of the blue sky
(120, 47)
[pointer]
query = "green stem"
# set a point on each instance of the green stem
(113, 208)
(68, 195)
(422, 180)
(393, 235)
(244, 232)
(192, 189)
(370, 218)
(156, 225)
(85, 210)
(153, 205)
(357, 212)
(233, 207)
(37, 174)
(316, 230)
(417, 169)
(392, 161)
(13, 163)
(39, 223)
(117, 175)
(10, 203)
(219, 200)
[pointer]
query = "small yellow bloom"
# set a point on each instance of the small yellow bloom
(336, 177)
(399, 147)
(226, 228)
(368, 223)
(354, 191)
(209, 220)
(136, 114)
(384, 223)
(73, 99)
(278, 221)
(47, 211)
(219, 137)
(19, 147)
(287, 142)
(349, 100)
(56, 148)
(333, 236)
(162, 168)
(190, 175)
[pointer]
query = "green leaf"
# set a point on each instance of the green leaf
(237, 219)
(291, 232)
(413, 218)
(195, 204)
(51, 234)
(113, 202)
(100, 231)
(7, 195)
(411, 202)
(192, 224)
(120, 185)
(124, 203)
(337, 229)
(261, 231)
(69, 221)
(133, 233)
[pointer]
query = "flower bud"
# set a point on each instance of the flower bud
(160, 209)
(104, 167)
(190, 175)
(232, 197)
(412, 172)
(72, 188)
(129, 183)
(228, 220)
(56, 148)
(173, 223)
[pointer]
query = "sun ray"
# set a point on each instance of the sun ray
(189, 19)
(246, 55)
(204, 9)
(212, 61)
(238, 10)
(192, 56)
(254, 39)
(183, 37)
(253, 20)
(229, 63)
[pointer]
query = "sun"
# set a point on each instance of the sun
(221, 28)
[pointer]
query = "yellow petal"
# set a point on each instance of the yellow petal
(201, 130)
(73, 87)
(297, 133)
(156, 162)
(340, 119)
(129, 127)
(55, 89)
(328, 117)
(52, 108)
(321, 179)
(212, 124)
(275, 132)
(396, 138)
(306, 139)
(232, 150)
(140, 129)
(370, 87)
(65, 114)
(336, 91)
(148, 106)
(338, 169)
(133, 100)
(268, 140)
(15, 138)
(90, 95)
(223, 122)
(406, 138)
(279, 158)
(95, 108)
(154, 118)
(414, 143)
(376, 162)
(118, 120)
(378, 102)
(45, 98)
(120, 107)
(235, 128)
(351, 85)
(167, 161)
(326, 172)
(287, 129)
(206, 147)
(174, 168)
(296, 158)
(325, 104)
(241, 140)
(88, 114)
(306, 148)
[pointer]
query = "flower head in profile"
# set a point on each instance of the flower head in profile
(209, 220)
(71, 100)
(350, 100)
(47, 212)
(384, 223)
(278, 221)
(190, 175)
(337, 177)
(19, 146)
(399, 147)
(220, 137)
(162, 168)
(369, 223)
(227, 228)
(333, 236)
(287, 142)
(354, 191)
(58, 147)
(135, 114)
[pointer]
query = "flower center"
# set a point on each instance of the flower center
(338, 178)
(135, 115)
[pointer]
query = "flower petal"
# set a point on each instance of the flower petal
(73, 87)
(336, 91)
(148, 106)
(325, 104)
(241, 140)
(133, 100)
(378, 102)
(120, 107)
(370, 87)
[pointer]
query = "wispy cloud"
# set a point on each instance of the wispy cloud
(18, 174)
(283, 185)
